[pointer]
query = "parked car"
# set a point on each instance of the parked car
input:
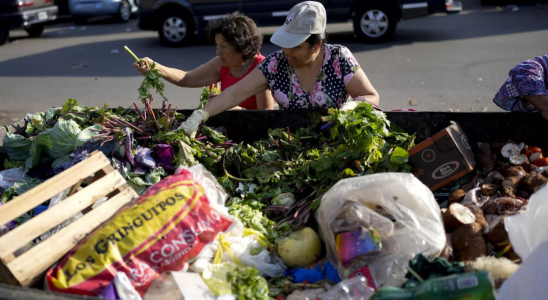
(178, 21)
(82, 10)
(29, 14)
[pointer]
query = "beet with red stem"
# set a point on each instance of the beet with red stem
(143, 116)
(173, 118)
(127, 124)
(149, 108)
(288, 135)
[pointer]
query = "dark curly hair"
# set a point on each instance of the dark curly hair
(238, 30)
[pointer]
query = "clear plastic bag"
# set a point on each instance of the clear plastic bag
(9, 177)
(54, 201)
(309, 294)
(395, 210)
(350, 289)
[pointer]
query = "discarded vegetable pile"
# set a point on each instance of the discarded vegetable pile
(275, 186)
(508, 174)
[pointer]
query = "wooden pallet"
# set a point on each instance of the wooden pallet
(28, 267)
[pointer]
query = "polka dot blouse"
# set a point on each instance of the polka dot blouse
(339, 66)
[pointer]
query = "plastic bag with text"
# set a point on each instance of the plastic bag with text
(166, 228)
(373, 225)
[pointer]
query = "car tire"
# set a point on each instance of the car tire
(375, 22)
(176, 28)
(78, 20)
(35, 30)
(124, 12)
(4, 33)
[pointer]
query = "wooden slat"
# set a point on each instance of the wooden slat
(75, 187)
(40, 224)
(51, 187)
(28, 267)
(108, 169)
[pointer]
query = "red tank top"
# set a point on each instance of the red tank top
(227, 80)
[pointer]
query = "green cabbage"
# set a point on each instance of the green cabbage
(61, 139)
(16, 146)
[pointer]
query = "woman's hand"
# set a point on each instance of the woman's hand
(539, 102)
(190, 126)
(143, 65)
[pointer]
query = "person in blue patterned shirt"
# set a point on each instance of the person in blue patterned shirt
(526, 88)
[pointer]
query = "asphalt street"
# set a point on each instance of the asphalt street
(437, 63)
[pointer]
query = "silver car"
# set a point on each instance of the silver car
(82, 10)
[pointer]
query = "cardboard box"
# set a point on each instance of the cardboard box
(442, 159)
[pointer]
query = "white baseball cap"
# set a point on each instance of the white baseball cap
(303, 20)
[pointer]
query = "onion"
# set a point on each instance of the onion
(510, 150)
(533, 157)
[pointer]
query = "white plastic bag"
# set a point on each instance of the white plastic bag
(266, 263)
(213, 190)
(401, 209)
(233, 245)
(529, 229)
(9, 177)
(529, 281)
(124, 288)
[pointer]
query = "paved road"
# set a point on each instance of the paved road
(443, 61)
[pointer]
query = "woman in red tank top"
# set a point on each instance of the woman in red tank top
(238, 42)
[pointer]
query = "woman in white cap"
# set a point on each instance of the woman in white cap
(305, 74)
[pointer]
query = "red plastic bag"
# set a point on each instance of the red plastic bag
(167, 227)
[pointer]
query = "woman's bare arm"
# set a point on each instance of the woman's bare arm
(360, 85)
(265, 101)
(252, 84)
(540, 103)
(204, 75)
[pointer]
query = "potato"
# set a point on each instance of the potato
(534, 181)
(447, 251)
(468, 242)
(457, 196)
(529, 168)
(457, 215)
(480, 219)
(513, 176)
(300, 248)
(496, 235)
